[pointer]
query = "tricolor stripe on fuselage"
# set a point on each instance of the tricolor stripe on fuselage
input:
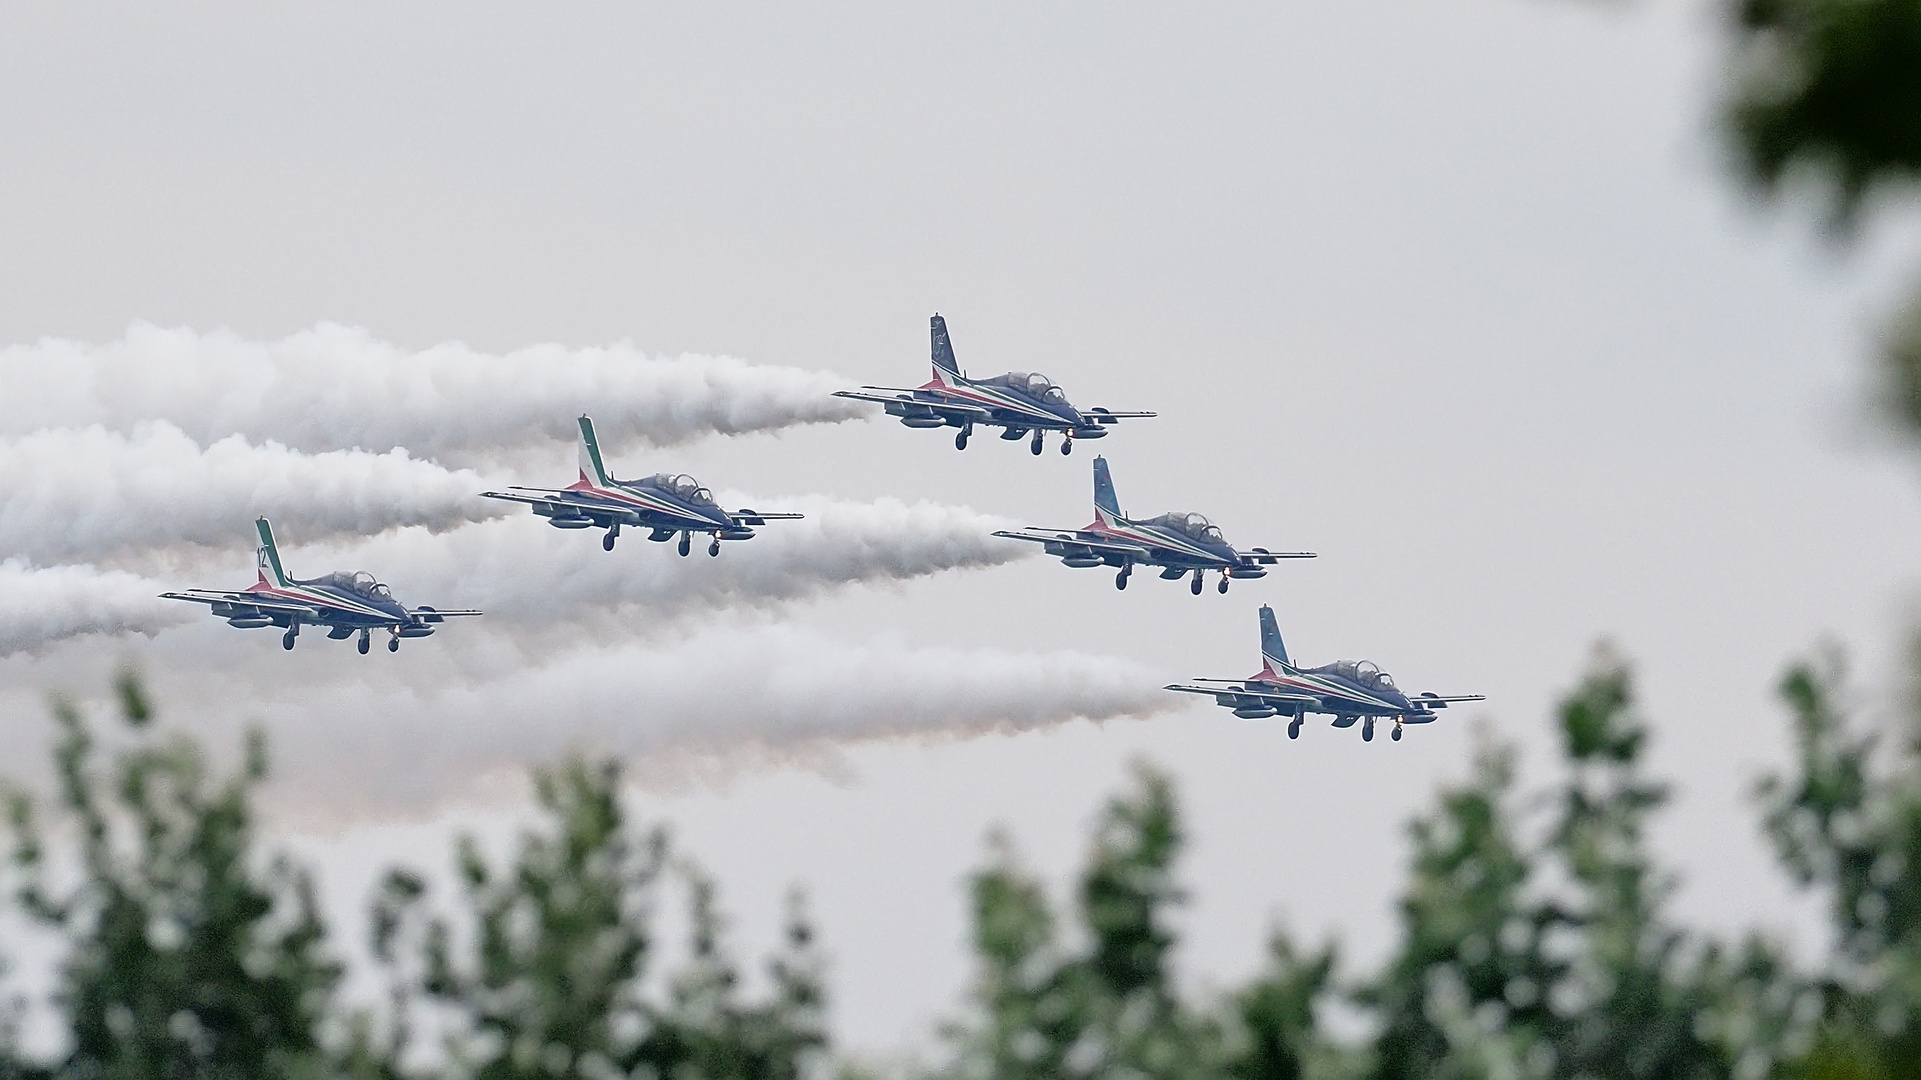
(994, 397)
(1114, 525)
(1290, 678)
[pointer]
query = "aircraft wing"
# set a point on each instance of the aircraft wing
(433, 615)
(536, 496)
(1442, 700)
(755, 517)
(1222, 688)
(1268, 558)
(888, 395)
(1108, 416)
(245, 599)
(1073, 538)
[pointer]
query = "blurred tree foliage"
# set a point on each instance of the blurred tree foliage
(1829, 91)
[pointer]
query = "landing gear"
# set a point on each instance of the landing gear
(713, 547)
(607, 542)
(1367, 730)
(686, 544)
(1396, 733)
(960, 439)
(1222, 587)
(1195, 586)
(1120, 579)
(1035, 446)
(393, 644)
(286, 639)
(1067, 446)
(1294, 728)
(365, 643)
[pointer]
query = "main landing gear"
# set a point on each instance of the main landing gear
(1195, 586)
(286, 639)
(686, 543)
(1294, 728)
(365, 642)
(1367, 730)
(1120, 579)
(713, 546)
(1035, 446)
(607, 542)
(960, 438)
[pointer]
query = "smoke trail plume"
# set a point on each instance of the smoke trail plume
(523, 572)
(87, 493)
(363, 750)
(335, 386)
(41, 606)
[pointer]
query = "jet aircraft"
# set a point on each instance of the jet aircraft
(345, 602)
(1018, 402)
(1350, 690)
(1178, 543)
(665, 503)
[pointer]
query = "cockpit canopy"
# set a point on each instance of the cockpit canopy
(1361, 671)
(1033, 384)
(683, 487)
(358, 582)
(1193, 525)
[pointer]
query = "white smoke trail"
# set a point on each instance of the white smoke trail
(335, 386)
(87, 493)
(523, 572)
(366, 750)
(41, 606)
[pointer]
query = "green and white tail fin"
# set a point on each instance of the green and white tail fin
(268, 556)
(592, 469)
(1273, 651)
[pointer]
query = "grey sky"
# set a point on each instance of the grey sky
(1452, 293)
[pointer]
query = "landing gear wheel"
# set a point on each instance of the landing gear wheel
(686, 544)
(713, 547)
(1294, 729)
(1067, 447)
(1035, 446)
(365, 643)
(960, 440)
(1120, 580)
(1195, 586)
(1396, 733)
(1367, 731)
(393, 644)
(286, 640)
(1223, 584)
(607, 542)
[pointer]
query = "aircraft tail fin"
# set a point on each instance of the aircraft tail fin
(1106, 503)
(268, 556)
(1273, 650)
(592, 469)
(944, 363)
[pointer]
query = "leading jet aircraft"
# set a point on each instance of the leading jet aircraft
(1018, 402)
(664, 503)
(1350, 690)
(345, 602)
(1178, 543)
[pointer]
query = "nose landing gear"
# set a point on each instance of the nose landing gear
(1067, 445)
(713, 546)
(1396, 733)
(393, 643)
(686, 544)
(1223, 585)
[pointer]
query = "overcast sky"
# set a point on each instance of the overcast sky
(1455, 293)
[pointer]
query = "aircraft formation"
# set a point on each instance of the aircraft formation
(354, 604)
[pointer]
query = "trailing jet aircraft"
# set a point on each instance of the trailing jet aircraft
(1177, 543)
(1018, 402)
(345, 602)
(664, 503)
(1350, 690)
